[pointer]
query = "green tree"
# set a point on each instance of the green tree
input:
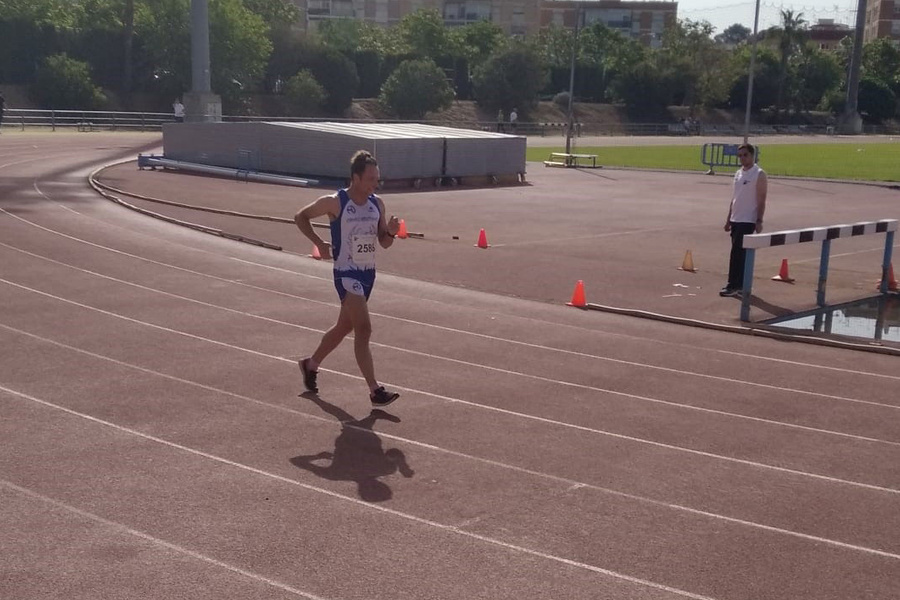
(646, 90)
(275, 13)
(416, 87)
(790, 36)
(475, 42)
(511, 78)
(305, 95)
(818, 73)
(337, 74)
(877, 101)
(733, 35)
(881, 61)
(239, 46)
(65, 84)
(694, 63)
(422, 34)
(765, 78)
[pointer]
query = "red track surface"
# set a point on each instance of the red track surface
(154, 443)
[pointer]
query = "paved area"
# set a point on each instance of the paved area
(156, 444)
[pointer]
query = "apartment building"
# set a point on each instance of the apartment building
(827, 35)
(516, 17)
(882, 20)
(641, 20)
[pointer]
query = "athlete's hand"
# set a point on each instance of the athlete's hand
(727, 225)
(325, 250)
(393, 225)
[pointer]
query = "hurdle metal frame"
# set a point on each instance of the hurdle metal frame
(756, 241)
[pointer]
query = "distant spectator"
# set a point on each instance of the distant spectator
(178, 107)
(2, 108)
(500, 121)
(514, 120)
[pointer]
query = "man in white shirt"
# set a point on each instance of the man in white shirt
(745, 214)
(178, 108)
(514, 120)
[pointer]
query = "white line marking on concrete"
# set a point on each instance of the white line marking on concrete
(475, 334)
(152, 539)
(366, 505)
(478, 365)
(573, 484)
(469, 403)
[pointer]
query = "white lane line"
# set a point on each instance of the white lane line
(467, 402)
(573, 484)
(430, 356)
(155, 540)
(475, 334)
(365, 505)
(493, 338)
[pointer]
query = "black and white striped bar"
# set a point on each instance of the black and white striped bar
(818, 234)
(824, 235)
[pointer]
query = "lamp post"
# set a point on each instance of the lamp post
(750, 75)
(200, 103)
(851, 122)
(570, 124)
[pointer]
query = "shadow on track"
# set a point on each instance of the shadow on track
(358, 454)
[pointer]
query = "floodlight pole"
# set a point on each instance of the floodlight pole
(851, 121)
(570, 125)
(200, 103)
(750, 75)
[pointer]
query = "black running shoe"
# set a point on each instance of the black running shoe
(382, 397)
(730, 292)
(309, 377)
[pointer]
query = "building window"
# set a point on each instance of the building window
(318, 7)
(517, 25)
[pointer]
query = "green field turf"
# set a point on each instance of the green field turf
(870, 162)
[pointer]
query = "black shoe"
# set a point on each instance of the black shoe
(309, 377)
(382, 397)
(729, 292)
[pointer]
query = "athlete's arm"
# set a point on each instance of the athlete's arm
(326, 205)
(387, 228)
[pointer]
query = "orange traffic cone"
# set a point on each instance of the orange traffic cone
(783, 273)
(892, 283)
(482, 239)
(315, 253)
(578, 300)
(688, 263)
(402, 233)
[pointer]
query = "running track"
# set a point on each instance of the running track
(155, 445)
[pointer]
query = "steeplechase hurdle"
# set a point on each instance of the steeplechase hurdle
(816, 234)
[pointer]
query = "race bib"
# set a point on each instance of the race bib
(363, 250)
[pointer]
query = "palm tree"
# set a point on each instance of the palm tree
(791, 36)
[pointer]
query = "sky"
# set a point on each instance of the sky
(722, 13)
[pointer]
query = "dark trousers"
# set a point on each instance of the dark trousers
(738, 254)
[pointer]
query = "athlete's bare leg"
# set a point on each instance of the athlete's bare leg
(358, 311)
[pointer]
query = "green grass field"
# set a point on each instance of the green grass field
(869, 162)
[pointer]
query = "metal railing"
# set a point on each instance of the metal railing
(85, 120)
(97, 120)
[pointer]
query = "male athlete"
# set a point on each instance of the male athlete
(357, 223)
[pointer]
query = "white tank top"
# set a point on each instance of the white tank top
(354, 234)
(743, 202)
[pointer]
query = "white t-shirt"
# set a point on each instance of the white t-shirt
(513, 117)
(179, 109)
(743, 202)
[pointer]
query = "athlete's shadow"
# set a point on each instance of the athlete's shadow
(358, 454)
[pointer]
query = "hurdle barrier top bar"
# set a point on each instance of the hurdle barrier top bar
(818, 234)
